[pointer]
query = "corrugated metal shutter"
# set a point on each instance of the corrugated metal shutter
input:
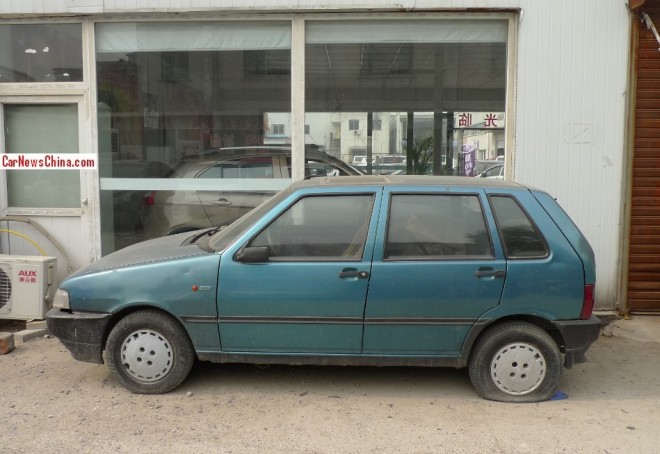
(644, 258)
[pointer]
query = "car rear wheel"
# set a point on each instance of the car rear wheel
(515, 362)
(149, 352)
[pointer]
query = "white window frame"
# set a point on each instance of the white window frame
(58, 93)
(82, 93)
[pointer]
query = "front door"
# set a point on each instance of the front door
(52, 192)
(309, 297)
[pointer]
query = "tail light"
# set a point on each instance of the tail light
(588, 302)
(149, 198)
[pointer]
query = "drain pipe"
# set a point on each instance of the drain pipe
(40, 229)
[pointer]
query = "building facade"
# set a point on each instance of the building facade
(541, 87)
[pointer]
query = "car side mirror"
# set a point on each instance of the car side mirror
(255, 254)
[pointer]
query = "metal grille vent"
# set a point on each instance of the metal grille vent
(5, 288)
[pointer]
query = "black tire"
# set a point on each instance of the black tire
(515, 362)
(149, 352)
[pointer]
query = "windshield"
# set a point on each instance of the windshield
(219, 241)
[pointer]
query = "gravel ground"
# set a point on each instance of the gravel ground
(53, 404)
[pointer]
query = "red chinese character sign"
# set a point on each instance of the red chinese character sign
(490, 121)
(479, 120)
(464, 120)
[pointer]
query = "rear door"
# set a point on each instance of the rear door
(309, 296)
(437, 268)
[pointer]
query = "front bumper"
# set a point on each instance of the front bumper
(82, 333)
(578, 335)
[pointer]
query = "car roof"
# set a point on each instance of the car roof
(405, 180)
(210, 156)
(219, 154)
(258, 149)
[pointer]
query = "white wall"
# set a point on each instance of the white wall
(570, 118)
(571, 81)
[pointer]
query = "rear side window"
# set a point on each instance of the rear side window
(253, 167)
(519, 235)
(428, 226)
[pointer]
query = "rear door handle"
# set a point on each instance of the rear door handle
(348, 273)
(489, 272)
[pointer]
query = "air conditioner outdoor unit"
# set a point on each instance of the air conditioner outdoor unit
(26, 286)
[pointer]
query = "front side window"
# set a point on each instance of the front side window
(520, 236)
(431, 226)
(322, 227)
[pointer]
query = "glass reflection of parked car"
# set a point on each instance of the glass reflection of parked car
(180, 211)
(482, 166)
(386, 165)
(496, 171)
(359, 160)
(130, 207)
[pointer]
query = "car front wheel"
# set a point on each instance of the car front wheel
(149, 352)
(515, 362)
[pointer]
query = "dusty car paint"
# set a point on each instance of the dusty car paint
(366, 308)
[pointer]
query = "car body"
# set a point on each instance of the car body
(388, 164)
(371, 270)
(180, 211)
(359, 160)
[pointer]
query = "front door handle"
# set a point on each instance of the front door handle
(348, 273)
(489, 272)
(221, 203)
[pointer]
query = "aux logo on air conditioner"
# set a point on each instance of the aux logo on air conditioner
(29, 277)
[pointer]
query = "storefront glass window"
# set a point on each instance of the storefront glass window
(41, 53)
(179, 101)
(176, 98)
(407, 96)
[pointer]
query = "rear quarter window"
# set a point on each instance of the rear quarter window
(520, 236)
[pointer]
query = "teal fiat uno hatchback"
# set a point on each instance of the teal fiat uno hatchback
(369, 270)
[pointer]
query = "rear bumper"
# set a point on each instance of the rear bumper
(81, 333)
(578, 335)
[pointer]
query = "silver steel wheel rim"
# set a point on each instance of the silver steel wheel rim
(147, 355)
(518, 369)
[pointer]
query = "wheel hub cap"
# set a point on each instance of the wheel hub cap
(518, 369)
(147, 355)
